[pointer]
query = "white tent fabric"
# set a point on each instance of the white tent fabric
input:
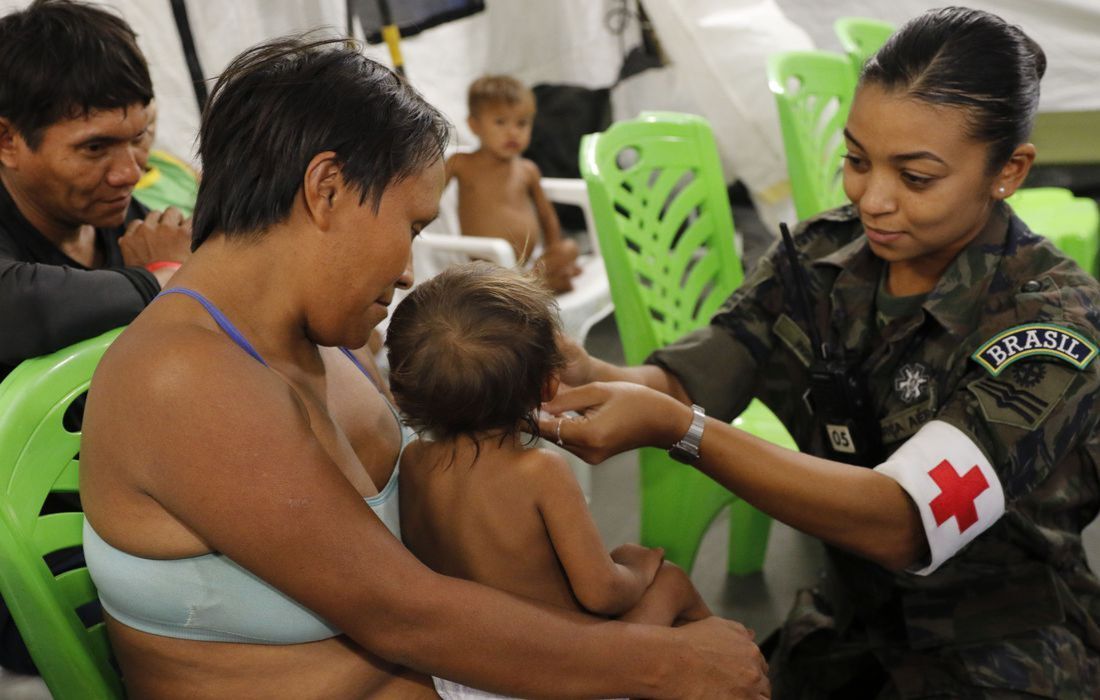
(1066, 29)
(718, 51)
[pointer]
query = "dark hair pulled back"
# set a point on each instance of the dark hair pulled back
(961, 57)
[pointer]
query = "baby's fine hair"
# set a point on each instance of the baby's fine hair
(496, 90)
(471, 349)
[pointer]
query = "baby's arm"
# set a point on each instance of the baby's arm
(672, 599)
(600, 583)
(451, 167)
(548, 218)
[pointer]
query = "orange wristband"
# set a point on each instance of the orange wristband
(163, 265)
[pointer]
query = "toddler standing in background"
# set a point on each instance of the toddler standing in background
(498, 190)
(472, 355)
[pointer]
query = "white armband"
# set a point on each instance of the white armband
(952, 484)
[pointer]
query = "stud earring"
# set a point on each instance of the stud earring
(1001, 190)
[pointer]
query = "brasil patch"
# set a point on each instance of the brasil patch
(1033, 339)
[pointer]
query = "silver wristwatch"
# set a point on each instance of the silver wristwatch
(687, 449)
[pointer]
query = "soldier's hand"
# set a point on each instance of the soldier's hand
(578, 363)
(724, 662)
(158, 237)
(613, 417)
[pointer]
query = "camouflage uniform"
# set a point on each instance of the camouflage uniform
(1017, 609)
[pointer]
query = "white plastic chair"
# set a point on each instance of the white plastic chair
(441, 245)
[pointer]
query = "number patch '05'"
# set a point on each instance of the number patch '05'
(840, 438)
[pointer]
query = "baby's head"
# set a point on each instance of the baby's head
(474, 351)
(502, 112)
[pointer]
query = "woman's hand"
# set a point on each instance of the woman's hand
(614, 417)
(728, 662)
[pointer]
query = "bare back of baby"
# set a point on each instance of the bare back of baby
(481, 520)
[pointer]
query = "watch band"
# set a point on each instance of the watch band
(687, 449)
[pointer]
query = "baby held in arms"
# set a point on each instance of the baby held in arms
(473, 353)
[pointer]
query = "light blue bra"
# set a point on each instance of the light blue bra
(210, 597)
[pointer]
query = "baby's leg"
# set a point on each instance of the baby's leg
(670, 599)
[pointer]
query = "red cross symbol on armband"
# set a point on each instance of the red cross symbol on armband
(957, 494)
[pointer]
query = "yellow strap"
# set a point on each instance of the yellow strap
(392, 36)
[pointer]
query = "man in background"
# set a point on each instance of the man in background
(78, 256)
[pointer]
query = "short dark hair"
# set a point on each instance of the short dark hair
(960, 57)
(61, 60)
(281, 103)
(471, 349)
(496, 90)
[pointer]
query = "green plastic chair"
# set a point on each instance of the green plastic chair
(813, 94)
(38, 455)
(861, 37)
(1071, 223)
(664, 225)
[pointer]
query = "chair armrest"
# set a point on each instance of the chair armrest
(434, 252)
(572, 190)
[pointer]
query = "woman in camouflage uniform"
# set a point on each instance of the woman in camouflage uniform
(937, 375)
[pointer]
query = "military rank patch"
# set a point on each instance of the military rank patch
(1024, 404)
(1033, 339)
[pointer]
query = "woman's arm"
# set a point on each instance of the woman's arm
(228, 449)
(603, 585)
(854, 508)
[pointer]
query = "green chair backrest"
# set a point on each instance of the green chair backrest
(861, 37)
(1071, 223)
(664, 224)
(38, 455)
(813, 94)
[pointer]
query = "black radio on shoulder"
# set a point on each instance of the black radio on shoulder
(837, 396)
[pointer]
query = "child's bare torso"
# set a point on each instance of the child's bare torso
(481, 521)
(494, 199)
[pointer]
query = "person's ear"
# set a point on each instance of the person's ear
(9, 144)
(550, 387)
(1012, 175)
(320, 187)
(474, 124)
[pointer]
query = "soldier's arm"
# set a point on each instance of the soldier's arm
(857, 509)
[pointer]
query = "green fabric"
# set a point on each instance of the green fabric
(168, 182)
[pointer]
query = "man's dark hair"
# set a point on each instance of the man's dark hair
(959, 57)
(471, 349)
(281, 103)
(61, 60)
